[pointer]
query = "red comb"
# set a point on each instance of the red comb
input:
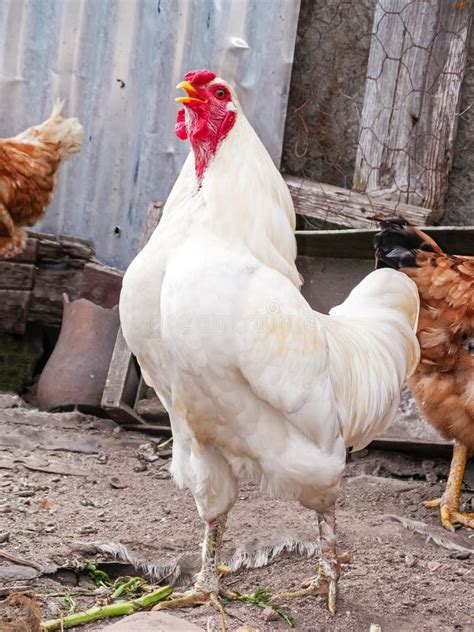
(199, 77)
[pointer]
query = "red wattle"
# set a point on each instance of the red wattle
(180, 125)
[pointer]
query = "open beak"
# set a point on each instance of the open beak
(191, 92)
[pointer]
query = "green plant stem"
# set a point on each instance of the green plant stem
(106, 612)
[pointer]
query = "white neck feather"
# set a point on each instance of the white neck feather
(243, 199)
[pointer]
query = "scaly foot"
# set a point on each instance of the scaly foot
(324, 583)
(451, 515)
(206, 588)
(450, 501)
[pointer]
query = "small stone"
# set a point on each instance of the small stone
(88, 530)
(460, 555)
(115, 483)
(148, 452)
(433, 565)
(49, 529)
(4, 537)
(87, 502)
(26, 493)
(56, 479)
(345, 557)
(102, 457)
(163, 475)
(151, 409)
(140, 467)
(410, 560)
(269, 614)
(5, 509)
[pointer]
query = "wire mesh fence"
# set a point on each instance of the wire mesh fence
(377, 96)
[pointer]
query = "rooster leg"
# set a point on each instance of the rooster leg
(206, 588)
(449, 502)
(325, 582)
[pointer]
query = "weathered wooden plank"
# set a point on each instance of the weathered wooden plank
(121, 384)
(101, 284)
(28, 255)
(349, 208)
(14, 305)
(58, 248)
(431, 449)
(358, 244)
(123, 378)
(47, 294)
(408, 124)
(16, 276)
(152, 219)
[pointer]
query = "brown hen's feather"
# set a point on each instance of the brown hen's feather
(28, 172)
(443, 384)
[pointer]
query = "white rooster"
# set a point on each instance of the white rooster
(256, 383)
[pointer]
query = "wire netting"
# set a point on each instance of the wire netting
(328, 87)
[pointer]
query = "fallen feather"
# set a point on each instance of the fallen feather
(181, 570)
(37, 465)
(437, 535)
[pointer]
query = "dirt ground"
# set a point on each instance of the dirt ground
(111, 490)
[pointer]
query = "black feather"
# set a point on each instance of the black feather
(396, 245)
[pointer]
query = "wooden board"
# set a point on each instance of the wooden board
(47, 294)
(62, 248)
(349, 208)
(16, 276)
(14, 306)
(101, 284)
(409, 119)
(28, 255)
(358, 244)
(123, 379)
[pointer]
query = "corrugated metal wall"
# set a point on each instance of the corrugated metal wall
(117, 63)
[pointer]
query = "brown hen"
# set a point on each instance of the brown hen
(28, 170)
(443, 384)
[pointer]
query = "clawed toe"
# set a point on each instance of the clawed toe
(319, 585)
(450, 515)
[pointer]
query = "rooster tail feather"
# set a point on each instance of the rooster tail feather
(398, 243)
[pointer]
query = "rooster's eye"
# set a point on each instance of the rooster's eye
(220, 93)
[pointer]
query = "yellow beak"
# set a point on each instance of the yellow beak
(192, 95)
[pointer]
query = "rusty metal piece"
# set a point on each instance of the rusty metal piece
(75, 373)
